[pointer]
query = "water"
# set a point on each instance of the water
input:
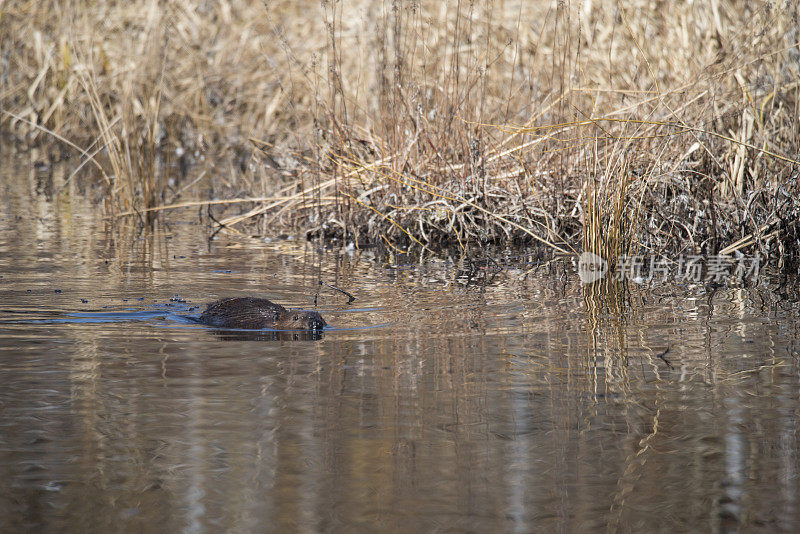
(498, 399)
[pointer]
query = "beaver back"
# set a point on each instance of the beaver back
(256, 314)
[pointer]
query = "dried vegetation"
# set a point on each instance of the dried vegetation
(615, 127)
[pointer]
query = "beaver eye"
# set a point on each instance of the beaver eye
(296, 317)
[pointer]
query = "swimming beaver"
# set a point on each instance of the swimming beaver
(255, 314)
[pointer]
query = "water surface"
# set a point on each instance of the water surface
(445, 398)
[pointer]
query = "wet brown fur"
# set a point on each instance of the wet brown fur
(256, 314)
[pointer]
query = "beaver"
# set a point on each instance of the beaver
(253, 313)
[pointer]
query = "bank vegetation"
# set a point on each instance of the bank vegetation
(617, 127)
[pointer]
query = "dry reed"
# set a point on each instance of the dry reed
(612, 127)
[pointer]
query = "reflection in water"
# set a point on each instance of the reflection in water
(521, 403)
(268, 335)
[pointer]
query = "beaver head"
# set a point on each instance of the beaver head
(299, 320)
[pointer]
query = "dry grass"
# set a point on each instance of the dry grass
(614, 127)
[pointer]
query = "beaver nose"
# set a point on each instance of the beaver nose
(317, 323)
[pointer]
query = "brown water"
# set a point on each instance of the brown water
(512, 403)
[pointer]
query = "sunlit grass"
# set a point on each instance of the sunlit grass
(611, 127)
